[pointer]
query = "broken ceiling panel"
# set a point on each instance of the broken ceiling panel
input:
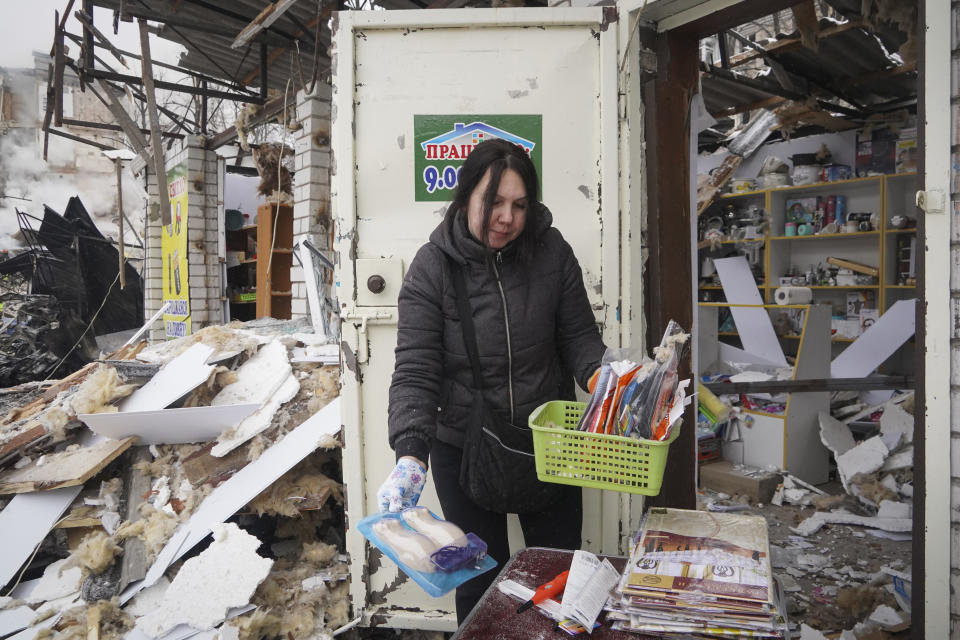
(169, 426)
(231, 563)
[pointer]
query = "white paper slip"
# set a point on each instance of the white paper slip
(582, 567)
(589, 602)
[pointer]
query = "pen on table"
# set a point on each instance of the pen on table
(545, 591)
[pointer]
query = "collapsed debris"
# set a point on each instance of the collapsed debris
(61, 293)
(135, 561)
(827, 541)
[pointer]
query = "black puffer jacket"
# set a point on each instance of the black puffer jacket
(531, 348)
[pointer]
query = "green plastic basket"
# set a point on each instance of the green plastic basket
(616, 463)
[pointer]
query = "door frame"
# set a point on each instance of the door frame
(674, 35)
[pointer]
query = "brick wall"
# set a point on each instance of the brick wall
(311, 209)
(203, 209)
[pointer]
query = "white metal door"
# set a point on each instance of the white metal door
(389, 67)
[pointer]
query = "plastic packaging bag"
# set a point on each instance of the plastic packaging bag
(435, 553)
(617, 370)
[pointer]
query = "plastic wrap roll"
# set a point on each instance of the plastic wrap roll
(793, 295)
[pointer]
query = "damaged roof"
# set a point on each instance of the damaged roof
(853, 65)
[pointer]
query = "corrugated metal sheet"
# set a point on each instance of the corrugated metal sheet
(851, 64)
(210, 53)
(846, 62)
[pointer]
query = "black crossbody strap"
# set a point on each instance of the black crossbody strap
(466, 321)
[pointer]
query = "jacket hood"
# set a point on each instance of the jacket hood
(453, 237)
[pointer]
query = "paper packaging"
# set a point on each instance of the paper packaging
(588, 587)
(793, 295)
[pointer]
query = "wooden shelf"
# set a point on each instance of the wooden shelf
(829, 236)
(274, 230)
(900, 286)
(845, 287)
(815, 186)
(911, 230)
(743, 194)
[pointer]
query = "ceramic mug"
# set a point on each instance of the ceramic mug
(851, 227)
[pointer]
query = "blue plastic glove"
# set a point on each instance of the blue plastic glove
(403, 486)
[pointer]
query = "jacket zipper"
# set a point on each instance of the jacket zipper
(506, 321)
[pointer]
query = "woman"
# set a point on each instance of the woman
(535, 333)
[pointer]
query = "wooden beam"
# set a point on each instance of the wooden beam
(85, 19)
(253, 75)
(264, 19)
(136, 485)
(805, 15)
(159, 166)
(766, 103)
(873, 76)
(788, 44)
(269, 110)
(120, 248)
(110, 100)
(668, 277)
(59, 60)
(878, 383)
(731, 17)
(92, 143)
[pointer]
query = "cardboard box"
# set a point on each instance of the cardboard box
(721, 476)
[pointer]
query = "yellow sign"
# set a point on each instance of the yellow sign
(173, 250)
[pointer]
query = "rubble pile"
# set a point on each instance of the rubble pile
(842, 550)
(127, 517)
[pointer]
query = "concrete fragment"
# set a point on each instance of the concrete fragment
(890, 483)
(809, 633)
(266, 379)
(835, 435)
(231, 563)
(149, 599)
(900, 460)
(788, 583)
(890, 535)
(56, 582)
(820, 518)
(795, 572)
(895, 420)
(777, 498)
(781, 558)
(866, 457)
(813, 560)
(891, 509)
(888, 618)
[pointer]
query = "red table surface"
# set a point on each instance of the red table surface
(495, 617)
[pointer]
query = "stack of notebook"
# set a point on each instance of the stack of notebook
(699, 574)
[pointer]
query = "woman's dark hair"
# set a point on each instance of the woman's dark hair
(497, 155)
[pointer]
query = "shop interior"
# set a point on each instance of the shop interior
(806, 248)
